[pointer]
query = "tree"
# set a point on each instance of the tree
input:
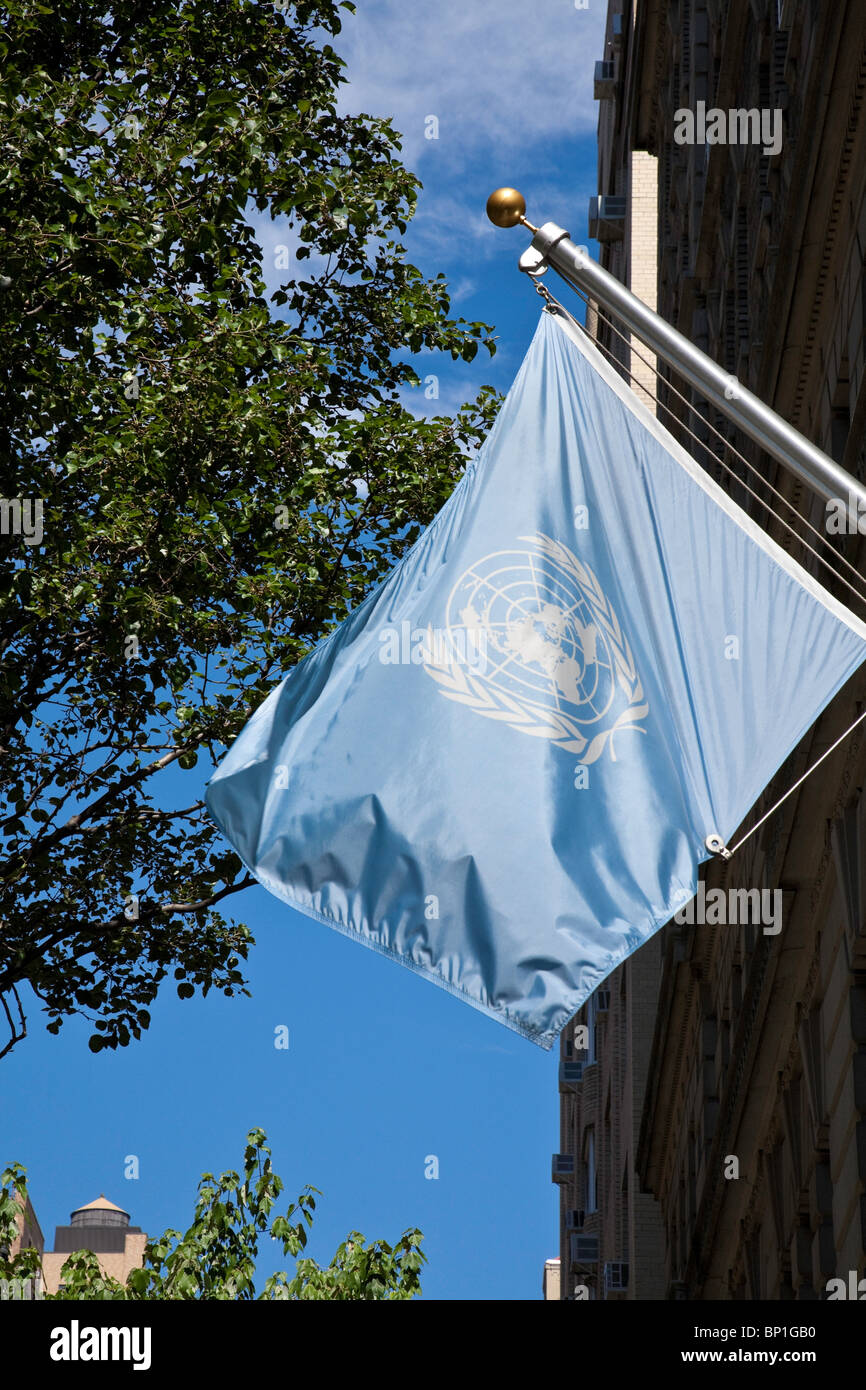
(216, 1257)
(200, 477)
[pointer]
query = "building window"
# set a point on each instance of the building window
(592, 1028)
(591, 1177)
(840, 427)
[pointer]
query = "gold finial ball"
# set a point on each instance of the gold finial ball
(505, 207)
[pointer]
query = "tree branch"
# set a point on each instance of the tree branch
(15, 1037)
(246, 882)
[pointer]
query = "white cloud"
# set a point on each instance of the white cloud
(446, 221)
(511, 85)
(464, 289)
(449, 217)
(497, 74)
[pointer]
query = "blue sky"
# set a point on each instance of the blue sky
(383, 1069)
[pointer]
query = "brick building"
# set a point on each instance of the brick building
(104, 1228)
(29, 1237)
(550, 1281)
(99, 1226)
(746, 1120)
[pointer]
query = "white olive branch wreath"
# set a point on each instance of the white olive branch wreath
(459, 684)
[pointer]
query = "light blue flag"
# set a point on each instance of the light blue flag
(501, 770)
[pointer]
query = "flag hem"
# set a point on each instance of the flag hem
(544, 1040)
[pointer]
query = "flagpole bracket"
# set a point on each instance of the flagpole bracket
(716, 845)
(533, 262)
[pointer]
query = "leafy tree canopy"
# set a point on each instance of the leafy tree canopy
(200, 476)
(216, 1257)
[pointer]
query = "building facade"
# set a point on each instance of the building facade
(100, 1226)
(550, 1281)
(611, 1233)
(104, 1228)
(29, 1237)
(750, 1136)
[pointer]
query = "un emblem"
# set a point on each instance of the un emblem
(557, 664)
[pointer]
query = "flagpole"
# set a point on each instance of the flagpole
(553, 246)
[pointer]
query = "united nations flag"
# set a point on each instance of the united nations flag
(502, 769)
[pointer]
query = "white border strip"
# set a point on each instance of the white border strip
(644, 415)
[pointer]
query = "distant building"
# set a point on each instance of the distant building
(29, 1238)
(103, 1228)
(550, 1283)
(99, 1226)
(624, 216)
(611, 1232)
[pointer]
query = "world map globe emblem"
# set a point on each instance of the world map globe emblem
(556, 663)
(540, 639)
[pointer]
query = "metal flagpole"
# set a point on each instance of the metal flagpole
(552, 245)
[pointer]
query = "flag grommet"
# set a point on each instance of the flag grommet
(716, 845)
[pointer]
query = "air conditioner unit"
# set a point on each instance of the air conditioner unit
(574, 1220)
(615, 1278)
(562, 1168)
(584, 1250)
(570, 1075)
(603, 1004)
(607, 216)
(604, 79)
